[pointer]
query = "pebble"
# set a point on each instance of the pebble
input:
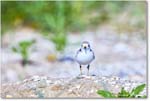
(113, 82)
(96, 81)
(17, 83)
(78, 86)
(49, 82)
(35, 78)
(26, 80)
(127, 88)
(42, 84)
(44, 78)
(9, 96)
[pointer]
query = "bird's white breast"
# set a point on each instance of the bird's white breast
(84, 58)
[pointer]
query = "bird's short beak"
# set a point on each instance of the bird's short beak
(84, 47)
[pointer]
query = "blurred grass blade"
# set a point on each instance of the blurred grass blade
(51, 21)
(105, 94)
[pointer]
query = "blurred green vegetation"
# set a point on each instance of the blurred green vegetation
(23, 50)
(123, 93)
(55, 18)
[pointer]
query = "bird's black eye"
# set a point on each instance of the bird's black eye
(88, 45)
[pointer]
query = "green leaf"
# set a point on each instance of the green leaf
(137, 90)
(142, 96)
(105, 94)
(123, 93)
(14, 49)
(23, 49)
(24, 45)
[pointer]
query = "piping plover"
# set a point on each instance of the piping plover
(85, 56)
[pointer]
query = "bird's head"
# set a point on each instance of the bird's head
(85, 45)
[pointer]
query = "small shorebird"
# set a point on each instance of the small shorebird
(85, 56)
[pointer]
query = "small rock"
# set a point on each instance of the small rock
(35, 78)
(78, 86)
(42, 84)
(9, 96)
(56, 87)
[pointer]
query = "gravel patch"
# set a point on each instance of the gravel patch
(78, 87)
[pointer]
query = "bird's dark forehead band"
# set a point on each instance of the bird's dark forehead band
(85, 42)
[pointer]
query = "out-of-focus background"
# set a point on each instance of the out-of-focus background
(42, 37)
